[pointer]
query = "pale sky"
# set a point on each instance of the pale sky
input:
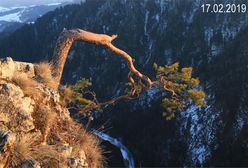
(11, 3)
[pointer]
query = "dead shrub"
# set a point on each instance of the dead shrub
(44, 119)
(80, 139)
(65, 93)
(43, 72)
(28, 85)
(25, 150)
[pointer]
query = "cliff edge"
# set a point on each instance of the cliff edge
(36, 129)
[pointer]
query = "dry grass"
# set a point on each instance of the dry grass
(44, 118)
(20, 153)
(94, 154)
(28, 85)
(65, 93)
(55, 131)
(48, 156)
(25, 150)
(63, 130)
(80, 139)
(43, 72)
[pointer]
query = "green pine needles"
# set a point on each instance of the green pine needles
(181, 88)
(83, 100)
(177, 86)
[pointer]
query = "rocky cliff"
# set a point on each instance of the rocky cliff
(36, 129)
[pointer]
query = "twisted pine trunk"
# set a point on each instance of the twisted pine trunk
(65, 41)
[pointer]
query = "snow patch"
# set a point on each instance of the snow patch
(228, 33)
(162, 5)
(13, 17)
(240, 123)
(195, 7)
(3, 9)
(168, 55)
(157, 17)
(146, 20)
(149, 52)
(215, 50)
(53, 4)
(208, 34)
(200, 127)
(146, 99)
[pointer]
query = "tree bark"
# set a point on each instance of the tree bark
(65, 41)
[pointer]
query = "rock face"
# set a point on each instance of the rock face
(37, 131)
(14, 98)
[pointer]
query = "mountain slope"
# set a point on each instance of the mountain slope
(14, 17)
(229, 73)
(163, 32)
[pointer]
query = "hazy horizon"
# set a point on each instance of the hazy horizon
(13, 3)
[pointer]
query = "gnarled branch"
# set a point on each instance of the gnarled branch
(65, 41)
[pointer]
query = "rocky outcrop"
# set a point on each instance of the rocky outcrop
(35, 126)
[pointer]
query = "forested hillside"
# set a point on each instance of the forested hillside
(162, 32)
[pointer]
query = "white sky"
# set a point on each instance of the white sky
(11, 3)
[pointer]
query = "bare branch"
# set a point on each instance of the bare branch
(89, 107)
(65, 41)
